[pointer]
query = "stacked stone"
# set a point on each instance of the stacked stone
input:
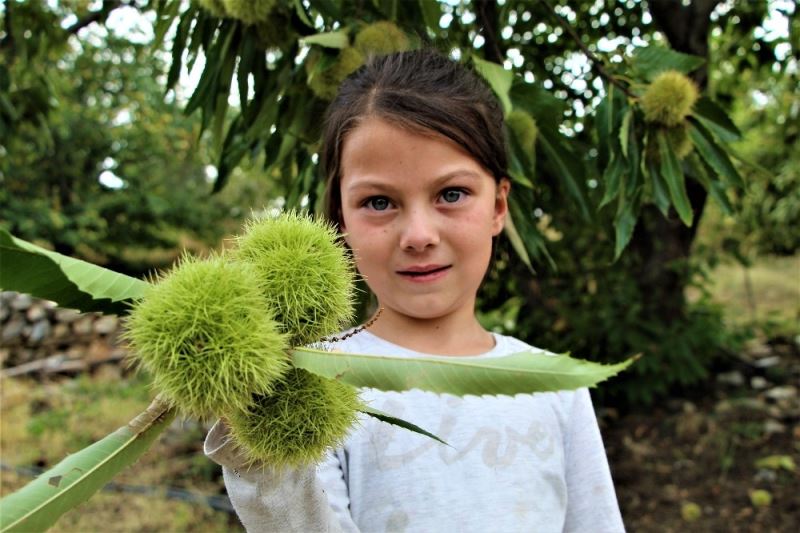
(32, 329)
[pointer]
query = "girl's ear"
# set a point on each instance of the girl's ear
(500, 205)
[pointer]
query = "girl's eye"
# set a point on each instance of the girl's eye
(452, 196)
(378, 203)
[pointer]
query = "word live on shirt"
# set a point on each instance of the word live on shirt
(529, 462)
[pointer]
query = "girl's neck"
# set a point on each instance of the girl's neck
(451, 335)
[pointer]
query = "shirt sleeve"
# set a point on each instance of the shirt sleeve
(267, 500)
(591, 499)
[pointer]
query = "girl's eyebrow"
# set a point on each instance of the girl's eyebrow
(367, 183)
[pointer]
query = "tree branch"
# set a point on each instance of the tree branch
(486, 11)
(594, 61)
(96, 16)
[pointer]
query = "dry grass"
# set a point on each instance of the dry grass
(42, 422)
(767, 294)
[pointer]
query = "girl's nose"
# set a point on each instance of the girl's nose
(418, 231)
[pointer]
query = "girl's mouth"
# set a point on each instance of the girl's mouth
(426, 273)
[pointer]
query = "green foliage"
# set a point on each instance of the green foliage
(769, 208)
(770, 202)
(92, 170)
(215, 7)
(679, 140)
(303, 271)
(249, 11)
(524, 127)
(294, 426)
(205, 334)
(608, 314)
(324, 80)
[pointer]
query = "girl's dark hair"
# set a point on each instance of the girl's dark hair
(422, 90)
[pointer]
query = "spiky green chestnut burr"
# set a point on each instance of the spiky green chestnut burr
(304, 272)
(679, 138)
(325, 84)
(669, 98)
(380, 38)
(276, 31)
(249, 11)
(205, 334)
(215, 7)
(293, 426)
(524, 127)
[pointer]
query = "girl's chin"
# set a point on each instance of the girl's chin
(424, 311)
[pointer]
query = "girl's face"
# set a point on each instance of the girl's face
(419, 214)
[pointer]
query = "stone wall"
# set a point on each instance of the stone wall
(32, 330)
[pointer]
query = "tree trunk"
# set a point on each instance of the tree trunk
(663, 245)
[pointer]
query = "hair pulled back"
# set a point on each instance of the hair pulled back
(424, 91)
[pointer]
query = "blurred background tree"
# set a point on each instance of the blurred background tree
(607, 204)
(96, 161)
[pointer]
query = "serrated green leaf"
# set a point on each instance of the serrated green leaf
(332, 39)
(516, 242)
(612, 177)
(399, 422)
(166, 13)
(39, 504)
(522, 163)
(602, 122)
(301, 13)
(633, 175)
(69, 282)
(672, 173)
(714, 187)
(538, 102)
(524, 372)
(624, 224)
(714, 155)
(179, 44)
(659, 188)
(566, 166)
(532, 239)
(499, 80)
(716, 120)
(624, 131)
(651, 60)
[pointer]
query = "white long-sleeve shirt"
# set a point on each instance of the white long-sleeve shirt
(529, 462)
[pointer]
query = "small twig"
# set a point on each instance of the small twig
(594, 61)
(100, 15)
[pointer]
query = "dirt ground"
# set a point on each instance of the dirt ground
(723, 459)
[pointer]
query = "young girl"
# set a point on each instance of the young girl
(415, 159)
